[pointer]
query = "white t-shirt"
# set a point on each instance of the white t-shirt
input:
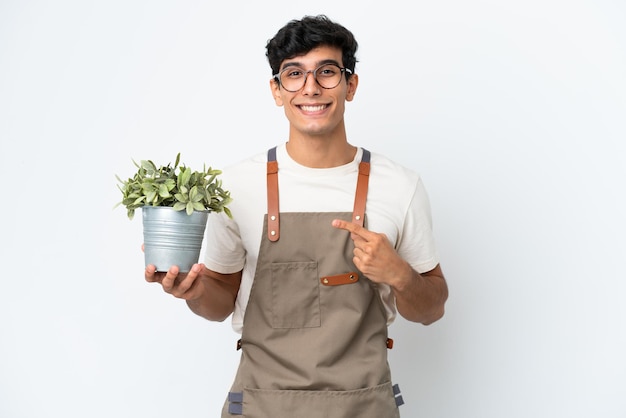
(397, 205)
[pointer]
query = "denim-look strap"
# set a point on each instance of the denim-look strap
(235, 403)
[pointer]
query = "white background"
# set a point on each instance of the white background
(512, 111)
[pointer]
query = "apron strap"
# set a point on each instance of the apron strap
(273, 221)
(358, 214)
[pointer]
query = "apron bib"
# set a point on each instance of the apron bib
(314, 341)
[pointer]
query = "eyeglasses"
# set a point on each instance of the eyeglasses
(327, 76)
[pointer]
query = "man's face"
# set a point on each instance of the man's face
(313, 110)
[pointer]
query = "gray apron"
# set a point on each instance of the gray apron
(314, 341)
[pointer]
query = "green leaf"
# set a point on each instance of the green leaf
(148, 166)
(195, 195)
(179, 206)
(164, 191)
(170, 184)
(184, 177)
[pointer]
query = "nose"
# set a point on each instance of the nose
(310, 84)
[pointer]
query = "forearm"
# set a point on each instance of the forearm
(217, 299)
(421, 297)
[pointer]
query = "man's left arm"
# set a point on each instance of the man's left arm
(419, 297)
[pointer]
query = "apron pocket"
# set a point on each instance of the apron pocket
(374, 402)
(295, 295)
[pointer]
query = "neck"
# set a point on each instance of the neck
(320, 153)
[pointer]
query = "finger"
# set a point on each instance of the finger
(169, 280)
(187, 282)
(151, 274)
(353, 228)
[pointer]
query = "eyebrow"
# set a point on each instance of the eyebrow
(299, 64)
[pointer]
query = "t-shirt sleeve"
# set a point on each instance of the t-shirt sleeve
(223, 248)
(417, 243)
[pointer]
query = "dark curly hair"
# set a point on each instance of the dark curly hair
(298, 37)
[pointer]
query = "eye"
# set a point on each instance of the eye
(327, 71)
(293, 73)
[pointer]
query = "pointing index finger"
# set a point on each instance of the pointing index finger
(350, 227)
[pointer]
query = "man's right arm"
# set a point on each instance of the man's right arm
(208, 293)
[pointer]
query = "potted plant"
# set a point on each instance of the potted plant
(175, 203)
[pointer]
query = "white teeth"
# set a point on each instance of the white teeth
(312, 108)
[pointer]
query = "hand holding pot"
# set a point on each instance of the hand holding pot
(209, 294)
(181, 285)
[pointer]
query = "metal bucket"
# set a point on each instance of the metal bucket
(172, 238)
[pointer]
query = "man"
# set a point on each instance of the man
(327, 241)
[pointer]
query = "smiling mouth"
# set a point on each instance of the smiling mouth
(316, 108)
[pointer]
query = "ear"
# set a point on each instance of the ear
(275, 88)
(353, 83)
